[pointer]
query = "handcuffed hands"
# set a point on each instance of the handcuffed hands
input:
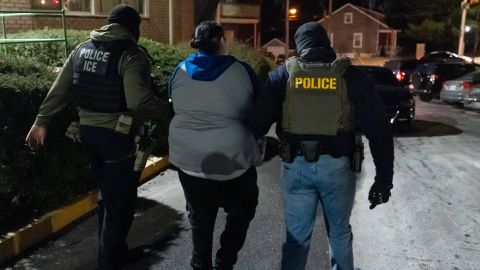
(379, 194)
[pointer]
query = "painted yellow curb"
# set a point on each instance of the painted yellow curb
(17, 242)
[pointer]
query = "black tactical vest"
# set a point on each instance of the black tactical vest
(96, 83)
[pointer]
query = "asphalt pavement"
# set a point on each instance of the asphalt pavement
(431, 223)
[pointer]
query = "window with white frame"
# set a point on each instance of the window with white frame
(348, 18)
(357, 40)
(90, 7)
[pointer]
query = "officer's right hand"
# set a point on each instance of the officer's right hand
(36, 137)
(379, 194)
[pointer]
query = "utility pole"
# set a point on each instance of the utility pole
(287, 29)
(461, 43)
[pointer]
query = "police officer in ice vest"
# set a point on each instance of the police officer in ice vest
(108, 78)
(318, 102)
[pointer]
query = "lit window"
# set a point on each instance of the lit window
(104, 6)
(46, 4)
(357, 40)
(78, 5)
(348, 18)
(101, 7)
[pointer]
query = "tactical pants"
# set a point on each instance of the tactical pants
(238, 197)
(112, 167)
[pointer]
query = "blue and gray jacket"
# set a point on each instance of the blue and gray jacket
(212, 96)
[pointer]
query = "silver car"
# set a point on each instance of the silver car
(471, 98)
(453, 91)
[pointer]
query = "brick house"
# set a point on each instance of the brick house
(90, 14)
(357, 31)
(240, 18)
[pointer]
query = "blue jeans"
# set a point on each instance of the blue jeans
(330, 182)
(112, 166)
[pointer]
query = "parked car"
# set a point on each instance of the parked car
(402, 68)
(453, 91)
(444, 56)
(397, 100)
(428, 78)
(471, 97)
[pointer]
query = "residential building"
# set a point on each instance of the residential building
(241, 20)
(157, 22)
(356, 31)
(167, 21)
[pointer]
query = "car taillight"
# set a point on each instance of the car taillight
(467, 86)
(400, 75)
(433, 77)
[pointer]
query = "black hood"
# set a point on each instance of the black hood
(313, 43)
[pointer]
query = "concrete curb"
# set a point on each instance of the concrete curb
(17, 242)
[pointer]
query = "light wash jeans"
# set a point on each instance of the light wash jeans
(331, 183)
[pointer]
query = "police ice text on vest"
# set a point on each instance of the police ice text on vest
(92, 57)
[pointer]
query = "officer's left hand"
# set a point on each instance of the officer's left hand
(378, 194)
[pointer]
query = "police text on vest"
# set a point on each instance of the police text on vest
(316, 83)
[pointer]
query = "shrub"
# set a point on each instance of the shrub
(32, 183)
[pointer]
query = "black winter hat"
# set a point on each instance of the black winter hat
(312, 35)
(126, 16)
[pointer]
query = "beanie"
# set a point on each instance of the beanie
(126, 16)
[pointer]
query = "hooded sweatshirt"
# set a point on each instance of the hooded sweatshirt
(135, 68)
(211, 95)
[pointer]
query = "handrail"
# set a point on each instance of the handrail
(40, 13)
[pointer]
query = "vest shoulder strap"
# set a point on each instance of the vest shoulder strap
(341, 65)
(291, 63)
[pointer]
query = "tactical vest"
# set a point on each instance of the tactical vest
(96, 83)
(316, 100)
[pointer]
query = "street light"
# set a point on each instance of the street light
(468, 28)
(292, 14)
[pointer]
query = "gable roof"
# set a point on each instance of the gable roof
(374, 13)
(275, 42)
(364, 11)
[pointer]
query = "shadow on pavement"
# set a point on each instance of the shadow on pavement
(154, 230)
(421, 128)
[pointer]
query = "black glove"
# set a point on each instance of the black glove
(379, 193)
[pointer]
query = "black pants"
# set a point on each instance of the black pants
(112, 167)
(238, 197)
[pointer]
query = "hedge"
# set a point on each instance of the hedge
(32, 183)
